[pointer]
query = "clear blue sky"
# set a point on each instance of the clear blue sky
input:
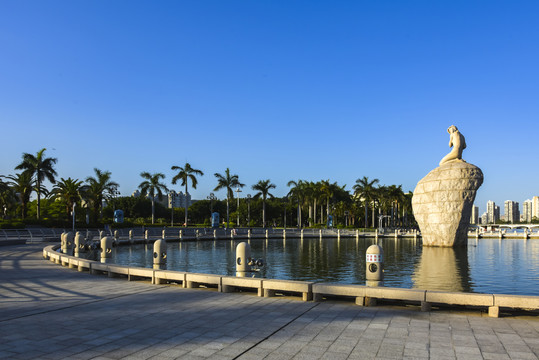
(273, 89)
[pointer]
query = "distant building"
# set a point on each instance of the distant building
(535, 207)
(527, 211)
(162, 200)
(474, 219)
(493, 212)
(484, 219)
(512, 211)
(179, 200)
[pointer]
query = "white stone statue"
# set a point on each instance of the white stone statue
(457, 142)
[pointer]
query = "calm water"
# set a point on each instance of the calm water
(509, 266)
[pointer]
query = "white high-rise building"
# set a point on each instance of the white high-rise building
(484, 218)
(512, 211)
(535, 207)
(178, 200)
(493, 212)
(474, 219)
(527, 210)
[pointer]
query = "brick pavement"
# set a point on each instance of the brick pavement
(51, 312)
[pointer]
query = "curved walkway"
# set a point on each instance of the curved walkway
(52, 312)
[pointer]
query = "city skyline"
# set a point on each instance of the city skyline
(280, 91)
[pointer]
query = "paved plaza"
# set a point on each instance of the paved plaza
(52, 312)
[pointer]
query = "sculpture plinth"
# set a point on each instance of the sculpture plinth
(443, 200)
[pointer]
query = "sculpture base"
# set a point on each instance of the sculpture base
(442, 203)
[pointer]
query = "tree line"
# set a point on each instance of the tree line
(307, 203)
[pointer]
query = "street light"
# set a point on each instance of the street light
(238, 190)
(74, 204)
(115, 194)
(248, 209)
(172, 198)
(211, 198)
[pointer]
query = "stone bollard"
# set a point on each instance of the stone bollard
(181, 234)
(243, 258)
(301, 234)
(163, 234)
(68, 250)
(284, 233)
(78, 244)
(396, 234)
(63, 242)
(338, 234)
(214, 234)
(267, 234)
(320, 233)
(357, 234)
(67, 247)
(131, 239)
(160, 254)
(197, 234)
(376, 235)
(106, 249)
(374, 265)
(116, 235)
(249, 234)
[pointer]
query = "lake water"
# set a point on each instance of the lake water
(508, 266)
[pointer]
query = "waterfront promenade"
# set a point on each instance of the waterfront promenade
(52, 312)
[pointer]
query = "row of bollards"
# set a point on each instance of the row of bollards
(244, 262)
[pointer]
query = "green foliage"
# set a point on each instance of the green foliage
(11, 224)
(40, 168)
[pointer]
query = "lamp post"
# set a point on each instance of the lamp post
(172, 198)
(74, 204)
(115, 194)
(211, 198)
(238, 190)
(248, 209)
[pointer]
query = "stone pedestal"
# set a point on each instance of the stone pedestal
(442, 203)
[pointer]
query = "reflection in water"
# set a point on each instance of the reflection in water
(443, 269)
(507, 266)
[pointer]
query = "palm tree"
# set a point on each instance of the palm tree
(7, 197)
(69, 191)
(384, 200)
(314, 194)
(397, 197)
(22, 186)
(297, 190)
(39, 167)
(227, 182)
(152, 187)
(99, 187)
(328, 190)
(263, 187)
(364, 190)
(185, 173)
(407, 207)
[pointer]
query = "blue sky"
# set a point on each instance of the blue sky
(274, 90)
